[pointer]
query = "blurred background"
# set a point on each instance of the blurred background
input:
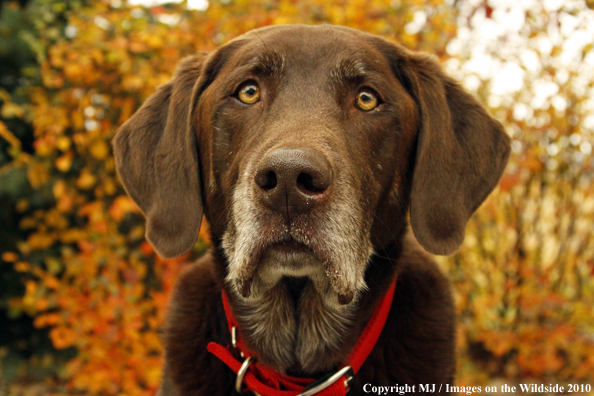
(82, 295)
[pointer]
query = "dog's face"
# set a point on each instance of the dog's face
(305, 136)
(305, 145)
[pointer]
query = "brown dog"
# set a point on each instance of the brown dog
(305, 147)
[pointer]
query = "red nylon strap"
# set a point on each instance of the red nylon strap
(372, 331)
(268, 382)
(232, 323)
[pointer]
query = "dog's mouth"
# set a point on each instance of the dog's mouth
(329, 245)
(270, 261)
(290, 257)
(290, 246)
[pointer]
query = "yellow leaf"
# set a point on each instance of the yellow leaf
(23, 205)
(59, 188)
(38, 175)
(62, 337)
(45, 320)
(22, 266)
(10, 257)
(10, 110)
(8, 136)
(64, 162)
(51, 282)
(99, 149)
(40, 241)
(86, 180)
(63, 143)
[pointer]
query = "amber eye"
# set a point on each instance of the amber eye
(249, 93)
(366, 100)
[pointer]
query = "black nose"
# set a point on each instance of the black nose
(291, 181)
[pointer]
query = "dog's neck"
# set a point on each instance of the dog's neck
(295, 333)
(293, 330)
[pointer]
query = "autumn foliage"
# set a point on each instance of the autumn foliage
(523, 279)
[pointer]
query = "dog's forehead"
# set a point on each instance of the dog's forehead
(303, 47)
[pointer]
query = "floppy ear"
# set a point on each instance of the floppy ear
(157, 161)
(461, 153)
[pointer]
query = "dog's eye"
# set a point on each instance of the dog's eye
(249, 93)
(366, 100)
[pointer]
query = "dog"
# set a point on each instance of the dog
(327, 162)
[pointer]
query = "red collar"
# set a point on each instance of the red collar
(265, 381)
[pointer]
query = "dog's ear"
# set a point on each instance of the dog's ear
(461, 152)
(157, 161)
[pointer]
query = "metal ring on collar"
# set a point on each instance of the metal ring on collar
(242, 370)
(332, 379)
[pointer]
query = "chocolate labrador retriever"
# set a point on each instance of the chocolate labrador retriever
(310, 150)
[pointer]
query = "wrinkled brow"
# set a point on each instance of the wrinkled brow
(350, 71)
(268, 63)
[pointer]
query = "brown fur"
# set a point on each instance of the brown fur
(303, 281)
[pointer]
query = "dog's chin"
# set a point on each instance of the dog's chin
(291, 260)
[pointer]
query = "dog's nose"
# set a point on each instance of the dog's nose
(293, 180)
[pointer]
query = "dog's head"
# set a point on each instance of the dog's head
(304, 146)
